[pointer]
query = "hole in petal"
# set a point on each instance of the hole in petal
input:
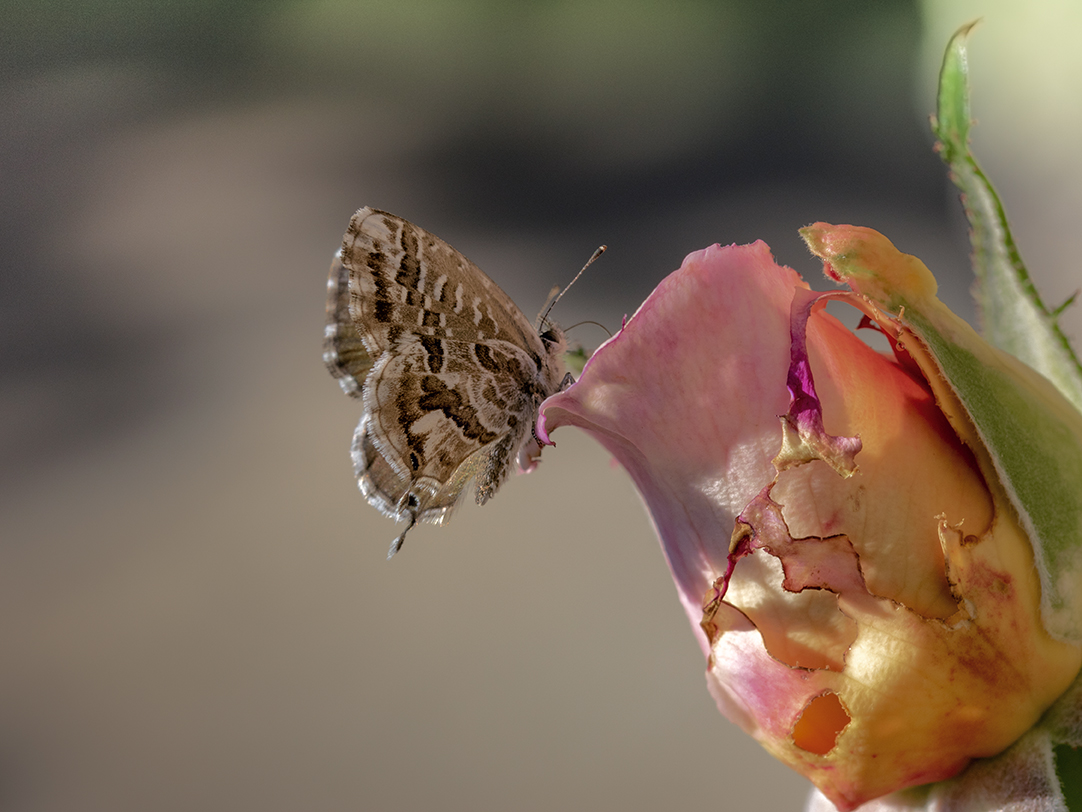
(864, 329)
(802, 629)
(818, 727)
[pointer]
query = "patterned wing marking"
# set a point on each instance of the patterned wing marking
(400, 497)
(344, 352)
(415, 500)
(405, 279)
(435, 433)
(430, 411)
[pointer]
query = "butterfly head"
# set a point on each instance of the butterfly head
(552, 337)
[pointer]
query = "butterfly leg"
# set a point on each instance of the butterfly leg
(496, 467)
(536, 439)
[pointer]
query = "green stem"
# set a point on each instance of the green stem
(1069, 770)
(1013, 317)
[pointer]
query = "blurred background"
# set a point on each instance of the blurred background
(195, 610)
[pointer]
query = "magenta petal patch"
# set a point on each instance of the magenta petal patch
(803, 437)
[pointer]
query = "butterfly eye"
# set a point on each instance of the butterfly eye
(550, 337)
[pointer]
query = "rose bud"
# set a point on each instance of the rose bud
(879, 553)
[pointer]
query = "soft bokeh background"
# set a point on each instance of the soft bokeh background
(194, 607)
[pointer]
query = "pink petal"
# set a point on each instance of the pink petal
(687, 397)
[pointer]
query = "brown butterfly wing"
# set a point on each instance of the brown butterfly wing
(450, 370)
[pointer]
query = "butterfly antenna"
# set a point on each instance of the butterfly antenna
(608, 332)
(544, 315)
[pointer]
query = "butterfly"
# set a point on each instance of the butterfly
(449, 371)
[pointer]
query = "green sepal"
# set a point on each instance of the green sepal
(1034, 439)
(1012, 315)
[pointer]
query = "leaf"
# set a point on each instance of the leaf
(1013, 317)
(1034, 440)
